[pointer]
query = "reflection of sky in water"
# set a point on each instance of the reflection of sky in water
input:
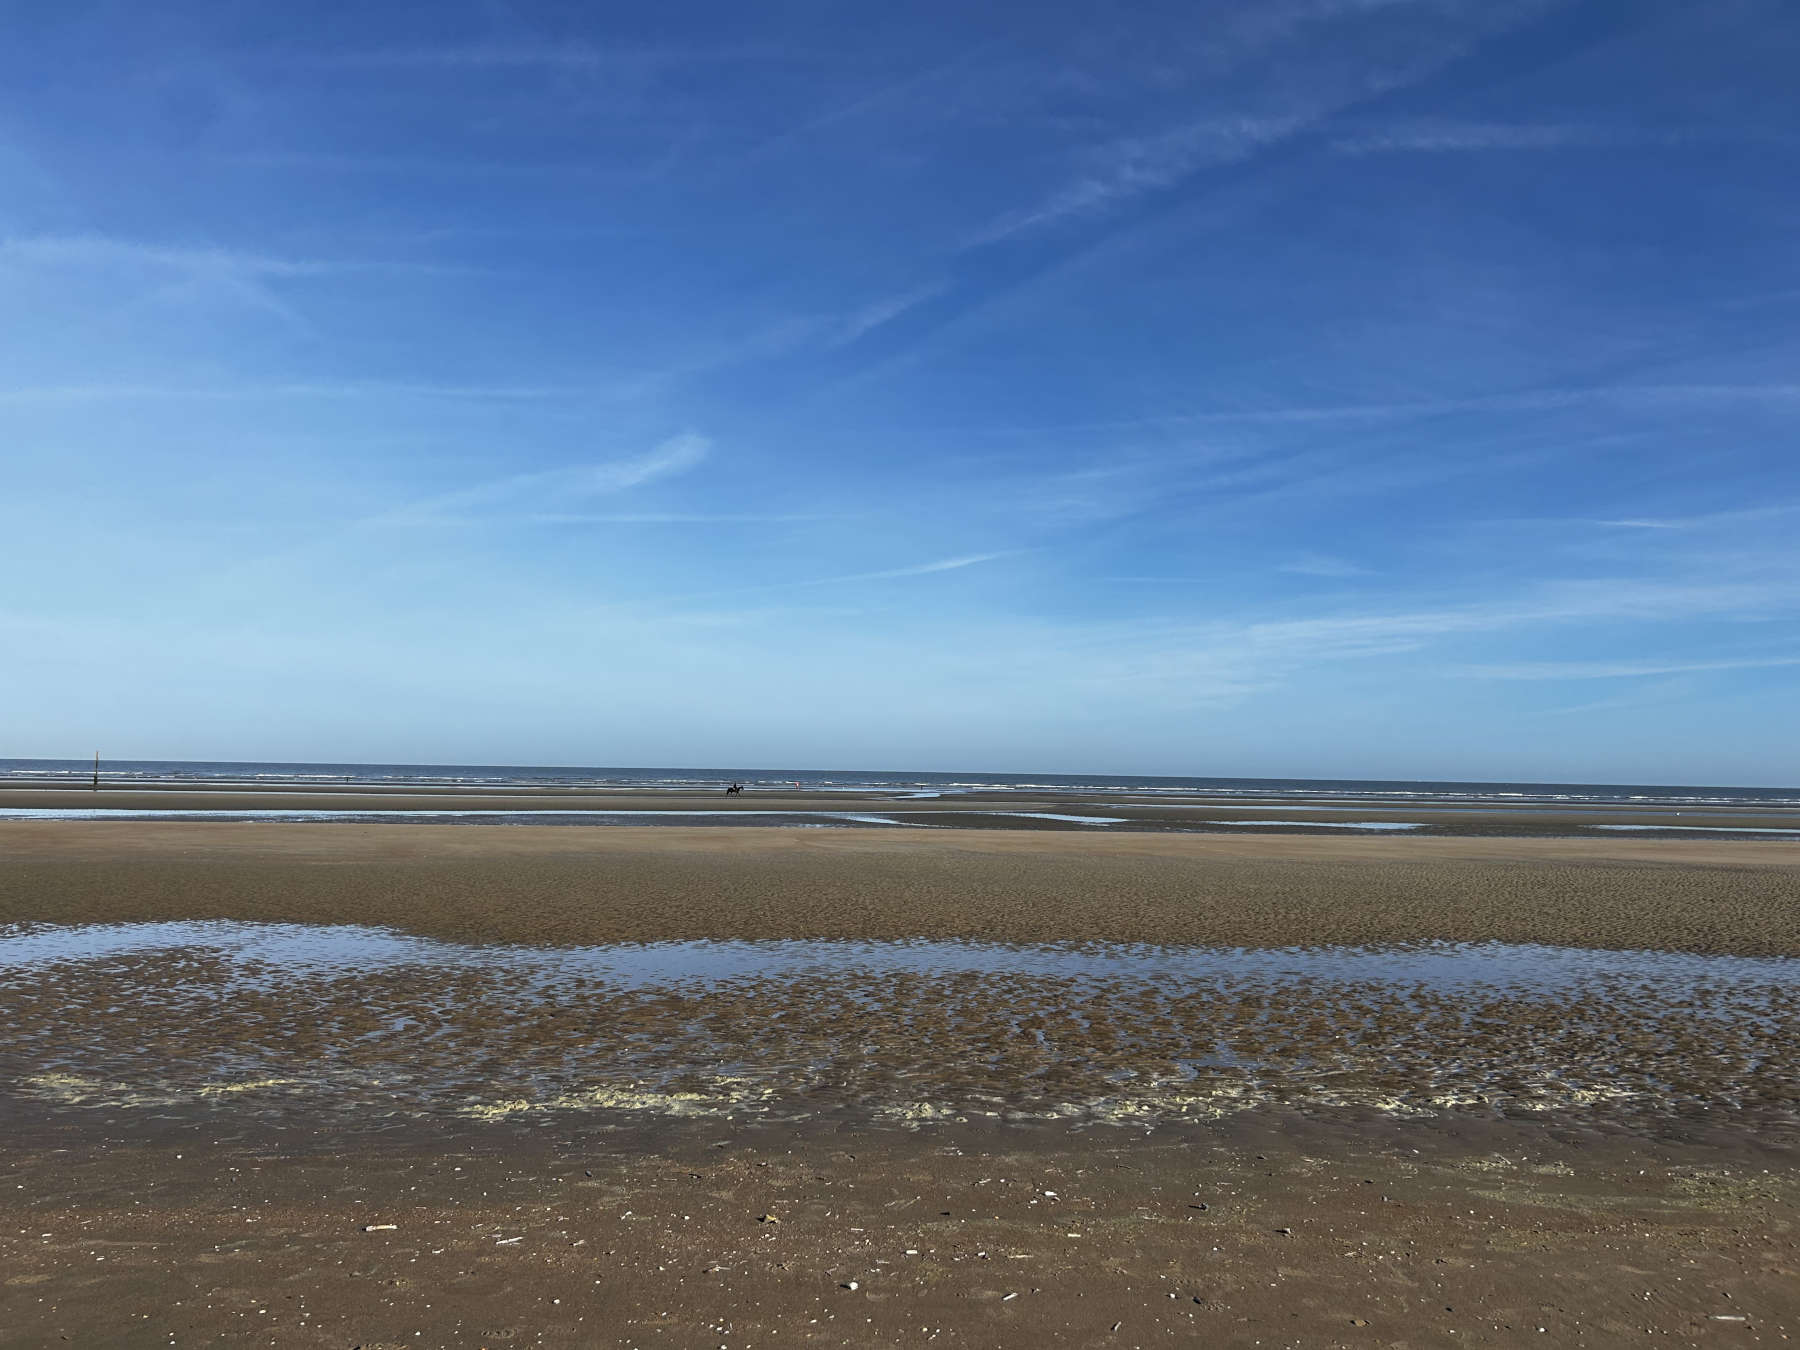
(516, 816)
(1323, 824)
(899, 818)
(301, 951)
(1706, 829)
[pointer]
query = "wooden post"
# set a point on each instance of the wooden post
(96, 771)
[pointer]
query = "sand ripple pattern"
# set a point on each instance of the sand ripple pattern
(375, 1024)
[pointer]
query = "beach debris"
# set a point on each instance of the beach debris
(767, 1218)
(379, 1227)
(1359, 1321)
(850, 1284)
(1285, 1232)
(507, 1242)
(1729, 1317)
(1197, 1207)
(1117, 1325)
(1007, 1298)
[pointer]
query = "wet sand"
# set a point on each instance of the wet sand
(204, 1146)
(552, 886)
(1077, 812)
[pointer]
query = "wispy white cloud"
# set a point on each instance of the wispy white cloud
(1706, 520)
(1136, 165)
(1323, 565)
(188, 276)
(1613, 670)
(1629, 396)
(96, 250)
(460, 166)
(1450, 136)
(677, 518)
(1647, 694)
(1226, 661)
(914, 570)
(884, 311)
(883, 574)
(530, 495)
(890, 94)
(355, 389)
(563, 56)
(1317, 84)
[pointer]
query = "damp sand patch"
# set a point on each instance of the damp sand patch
(292, 1017)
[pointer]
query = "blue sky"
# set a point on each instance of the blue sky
(1376, 388)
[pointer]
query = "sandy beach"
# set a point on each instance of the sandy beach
(558, 886)
(702, 1085)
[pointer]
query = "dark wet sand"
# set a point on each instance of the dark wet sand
(974, 810)
(239, 1217)
(548, 886)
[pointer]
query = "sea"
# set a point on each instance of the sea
(498, 776)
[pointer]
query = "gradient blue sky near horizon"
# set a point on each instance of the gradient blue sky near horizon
(1360, 388)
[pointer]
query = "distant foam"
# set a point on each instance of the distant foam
(1703, 829)
(497, 777)
(1325, 824)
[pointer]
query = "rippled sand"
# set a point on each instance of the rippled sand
(358, 1022)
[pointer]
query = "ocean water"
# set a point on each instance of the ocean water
(501, 777)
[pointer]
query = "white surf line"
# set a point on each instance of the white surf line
(1704, 829)
(1324, 824)
(1214, 806)
(1049, 815)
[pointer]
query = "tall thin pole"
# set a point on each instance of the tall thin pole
(96, 771)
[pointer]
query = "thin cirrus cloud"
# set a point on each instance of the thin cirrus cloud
(1111, 175)
(1648, 396)
(915, 570)
(1699, 522)
(884, 311)
(572, 56)
(1323, 565)
(955, 564)
(1224, 662)
(1615, 670)
(186, 275)
(526, 497)
(351, 389)
(1446, 137)
(1452, 136)
(1134, 166)
(678, 518)
(97, 250)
